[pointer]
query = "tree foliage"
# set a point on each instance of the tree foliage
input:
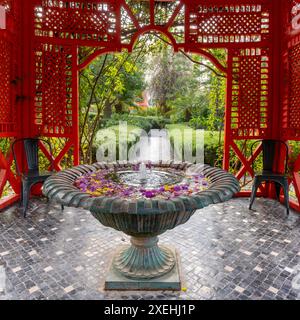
(183, 87)
(186, 89)
(110, 84)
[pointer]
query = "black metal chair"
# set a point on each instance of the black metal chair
(268, 174)
(32, 175)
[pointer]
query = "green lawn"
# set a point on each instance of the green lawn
(103, 135)
(211, 138)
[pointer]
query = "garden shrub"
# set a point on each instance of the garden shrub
(212, 148)
(145, 123)
(198, 123)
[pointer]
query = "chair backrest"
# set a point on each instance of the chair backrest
(31, 149)
(270, 148)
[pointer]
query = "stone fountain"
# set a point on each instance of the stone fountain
(143, 265)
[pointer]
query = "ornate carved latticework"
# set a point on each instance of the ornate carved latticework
(53, 91)
(294, 85)
(229, 23)
(291, 114)
(7, 73)
(7, 110)
(250, 109)
(77, 20)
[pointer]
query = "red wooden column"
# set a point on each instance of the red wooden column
(227, 130)
(75, 107)
(277, 84)
(277, 35)
(290, 110)
(27, 68)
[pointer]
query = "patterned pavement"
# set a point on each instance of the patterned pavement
(227, 252)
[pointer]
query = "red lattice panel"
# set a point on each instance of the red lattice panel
(294, 85)
(53, 96)
(7, 114)
(250, 94)
(231, 23)
(77, 20)
(291, 114)
(7, 65)
(291, 60)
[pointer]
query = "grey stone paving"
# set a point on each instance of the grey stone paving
(227, 252)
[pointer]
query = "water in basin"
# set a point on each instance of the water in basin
(155, 179)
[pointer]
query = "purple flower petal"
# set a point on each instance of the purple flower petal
(177, 188)
(149, 194)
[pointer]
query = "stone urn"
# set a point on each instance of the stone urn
(142, 265)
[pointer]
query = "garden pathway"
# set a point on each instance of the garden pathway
(154, 147)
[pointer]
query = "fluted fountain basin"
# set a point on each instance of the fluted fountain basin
(143, 264)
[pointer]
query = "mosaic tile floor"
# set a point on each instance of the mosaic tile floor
(227, 252)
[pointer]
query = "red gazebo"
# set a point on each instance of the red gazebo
(41, 41)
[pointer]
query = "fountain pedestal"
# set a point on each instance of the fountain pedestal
(144, 259)
(141, 268)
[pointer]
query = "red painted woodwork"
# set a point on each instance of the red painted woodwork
(39, 65)
(9, 96)
(290, 109)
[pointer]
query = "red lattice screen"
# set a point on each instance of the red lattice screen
(250, 110)
(53, 91)
(7, 73)
(76, 20)
(229, 23)
(291, 114)
(294, 86)
(7, 108)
